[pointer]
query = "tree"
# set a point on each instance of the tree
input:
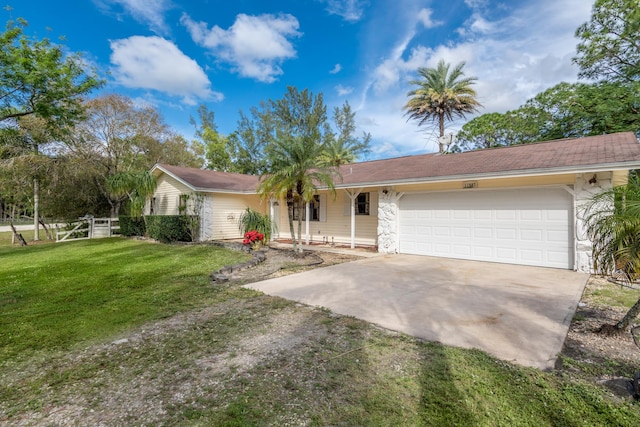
(498, 129)
(250, 139)
(37, 77)
(563, 111)
(120, 137)
(609, 47)
(441, 95)
(345, 147)
(216, 146)
(136, 186)
(613, 222)
(296, 169)
(23, 144)
(294, 154)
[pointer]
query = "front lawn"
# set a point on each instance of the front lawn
(54, 296)
(123, 332)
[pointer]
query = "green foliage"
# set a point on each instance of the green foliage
(295, 154)
(132, 226)
(297, 114)
(137, 186)
(344, 147)
(609, 47)
(120, 137)
(441, 95)
(254, 220)
(563, 111)
(169, 228)
(613, 223)
(38, 77)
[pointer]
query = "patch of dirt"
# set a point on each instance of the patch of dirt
(617, 355)
(281, 262)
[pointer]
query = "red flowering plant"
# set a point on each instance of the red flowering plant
(253, 238)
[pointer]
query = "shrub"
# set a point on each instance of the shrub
(169, 228)
(251, 220)
(132, 226)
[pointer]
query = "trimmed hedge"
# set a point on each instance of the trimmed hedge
(169, 228)
(132, 226)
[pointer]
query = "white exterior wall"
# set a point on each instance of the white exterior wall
(335, 220)
(583, 192)
(227, 209)
(167, 195)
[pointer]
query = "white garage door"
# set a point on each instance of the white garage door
(529, 227)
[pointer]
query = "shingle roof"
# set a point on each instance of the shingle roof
(213, 180)
(619, 150)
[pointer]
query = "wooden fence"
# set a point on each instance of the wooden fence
(89, 228)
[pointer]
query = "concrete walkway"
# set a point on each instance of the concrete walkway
(517, 313)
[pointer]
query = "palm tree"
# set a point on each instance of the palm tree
(441, 95)
(613, 223)
(136, 186)
(296, 168)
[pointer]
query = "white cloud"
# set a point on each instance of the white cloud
(343, 90)
(349, 10)
(336, 69)
(424, 17)
(516, 57)
(157, 64)
(255, 46)
(150, 12)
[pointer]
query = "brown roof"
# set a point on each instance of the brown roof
(614, 151)
(620, 150)
(201, 179)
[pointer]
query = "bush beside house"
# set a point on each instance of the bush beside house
(169, 228)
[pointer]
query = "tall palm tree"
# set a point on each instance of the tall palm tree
(296, 169)
(441, 95)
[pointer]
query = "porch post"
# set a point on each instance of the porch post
(306, 222)
(353, 195)
(271, 215)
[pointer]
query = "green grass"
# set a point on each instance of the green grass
(615, 296)
(53, 296)
(224, 366)
(5, 237)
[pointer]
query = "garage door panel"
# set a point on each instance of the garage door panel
(531, 227)
(506, 233)
(483, 233)
(531, 235)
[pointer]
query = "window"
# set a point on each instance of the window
(362, 204)
(152, 206)
(314, 209)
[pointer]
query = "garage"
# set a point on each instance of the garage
(523, 226)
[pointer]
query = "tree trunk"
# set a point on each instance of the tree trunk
(46, 230)
(36, 206)
(17, 235)
(300, 210)
(290, 214)
(631, 314)
(441, 129)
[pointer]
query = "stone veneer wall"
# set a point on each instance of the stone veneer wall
(583, 192)
(388, 221)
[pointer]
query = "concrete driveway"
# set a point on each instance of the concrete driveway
(517, 313)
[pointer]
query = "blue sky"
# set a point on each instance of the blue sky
(230, 55)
